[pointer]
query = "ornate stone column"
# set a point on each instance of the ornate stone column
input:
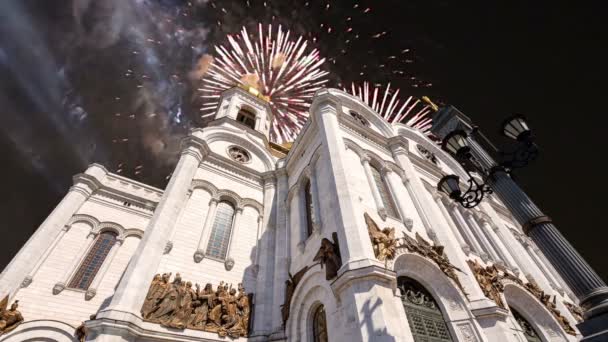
(466, 230)
(373, 187)
(352, 233)
(282, 253)
(85, 184)
(487, 246)
(439, 201)
(580, 277)
(263, 298)
(494, 235)
(315, 198)
(124, 309)
(394, 185)
(236, 223)
(92, 290)
(74, 263)
(200, 250)
(30, 277)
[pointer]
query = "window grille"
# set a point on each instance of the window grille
(319, 325)
(220, 233)
(91, 264)
(423, 313)
(309, 207)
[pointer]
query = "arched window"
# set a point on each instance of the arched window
(246, 117)
(85, 274)
(309, 207)
(220, 233)
(319, 325)
(423, 313)
(529, 332)
(385, 195)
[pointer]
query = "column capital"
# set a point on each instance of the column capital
(85, 184)
(269, 179)
(365, 159)
(398, 144)
(213, 201)
(195, 146)
(239, 209)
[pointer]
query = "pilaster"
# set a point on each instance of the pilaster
(128, 297)
(34, 250)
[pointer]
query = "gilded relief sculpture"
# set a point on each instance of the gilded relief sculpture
(9, 318)
(492, 281)
(178, 305)
(575, 310)
(383, 240)
(489, 280)
(329, 256)
(432, 252)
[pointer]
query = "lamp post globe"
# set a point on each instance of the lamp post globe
(456, 144)
(516, 128)
(450, 185)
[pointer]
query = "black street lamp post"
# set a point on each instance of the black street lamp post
(462, 140)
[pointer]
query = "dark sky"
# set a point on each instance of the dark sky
(70, 72)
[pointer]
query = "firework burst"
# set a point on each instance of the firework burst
(287, 72)
(386, 102)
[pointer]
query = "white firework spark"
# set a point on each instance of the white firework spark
(411, 111)
(286, 72)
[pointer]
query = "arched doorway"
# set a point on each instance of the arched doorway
(529, 332)
(423, 314)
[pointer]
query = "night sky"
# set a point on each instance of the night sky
(110, 81)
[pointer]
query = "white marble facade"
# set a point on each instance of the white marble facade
(336, 154)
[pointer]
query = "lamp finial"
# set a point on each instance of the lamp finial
(431, 104)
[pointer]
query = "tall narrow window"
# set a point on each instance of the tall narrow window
(220, 233)
(246, 117)
(92, 262)
(385, 195)
(526, 327)
(423, 314)
(319, 325)
(309, 207)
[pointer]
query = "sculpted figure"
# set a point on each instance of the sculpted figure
(229, 310)
(290, 288)
(201, 306)
(433, 252)
(11, 318)
(181, 318)
(329, 255)
(169, 301)
(489, 280)
(154, 292)
(384, 242)
(244, 307)
(215, 315)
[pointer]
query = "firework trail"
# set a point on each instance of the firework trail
(387, 104)
(286, 72)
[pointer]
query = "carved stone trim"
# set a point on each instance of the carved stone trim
(489, 280)
(492, 281)
(575, 310)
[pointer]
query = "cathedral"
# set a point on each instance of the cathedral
(341, 235)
